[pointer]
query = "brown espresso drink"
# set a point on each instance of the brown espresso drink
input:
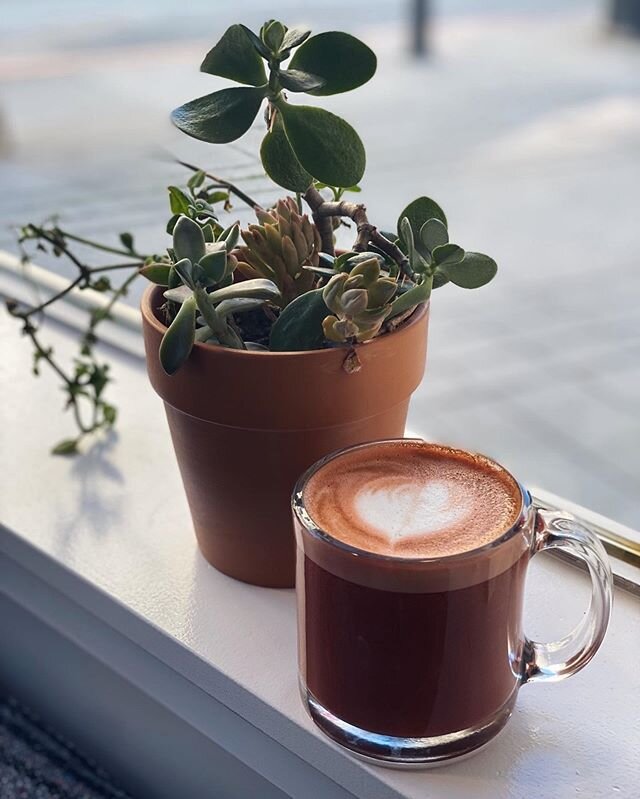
(411, 590)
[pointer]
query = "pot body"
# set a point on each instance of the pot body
(246, 425)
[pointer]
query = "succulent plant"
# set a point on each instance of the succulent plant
(424, 235)
(360, 301)
(200, 281)
(277, 285)
(280, 247)
(302, 142)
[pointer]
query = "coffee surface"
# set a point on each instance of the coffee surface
(411, 499)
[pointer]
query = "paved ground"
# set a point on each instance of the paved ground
(525, 126)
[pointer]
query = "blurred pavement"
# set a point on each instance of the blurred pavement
(524, 125)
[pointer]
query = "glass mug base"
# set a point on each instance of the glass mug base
(406, 753)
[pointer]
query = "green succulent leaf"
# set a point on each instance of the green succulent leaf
(473, 271)
(235, 57)
(238, 305)
(294, 38)
(406, 235)
(220, 117)
(172, 223)
(439, 279)
(447, 254)
(322, 271)
(299, 326)
(67, 447)
(185, 270)
(257, 42)
(410, 299)
(230, 236)
(280, 162)
(324, 144)
(433, 234)
(178, 201)
(196, 180)
(188, 240)
(177, 342)
(273, 35)
(295, 80)
(178, 294)
(418, 212)
(342, 60)
(157, 273)
(259, 289)
(342, 262)
(354, 259)
(214, 266)
(126, 239)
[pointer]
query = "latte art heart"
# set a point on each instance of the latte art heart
(403, 512)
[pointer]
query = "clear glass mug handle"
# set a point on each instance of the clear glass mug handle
(560, 659)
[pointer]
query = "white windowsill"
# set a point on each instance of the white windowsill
(110, 536)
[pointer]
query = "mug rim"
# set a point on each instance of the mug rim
(303, 516)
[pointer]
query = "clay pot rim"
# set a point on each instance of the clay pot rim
(151, 319)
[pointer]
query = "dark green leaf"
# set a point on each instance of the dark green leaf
(214, 266)
(418, 212)
(294, 38)
(299, 326)
(322, 271)
(295, 80)
(157, 273)
(433, 234)
(67, 447)
(257, 42)
(101, 284)
(409, 299)
(279, 161)
(230, 236)
(177, 342)
(473, 271)
(342, 261)
(439, 279)
(185, 269)
(196, 180)
(218, 197)
(109, 414)
(273, 35)
(126, 239)
(325, 145)
(172, 223)
(447, 254)
(188, 240)
(407, 236)
(342, 60)
(235, 57)
(178, 201)
(219, 117)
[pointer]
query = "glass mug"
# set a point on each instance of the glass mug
(415, 661)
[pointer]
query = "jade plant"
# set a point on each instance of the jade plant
(277, 284)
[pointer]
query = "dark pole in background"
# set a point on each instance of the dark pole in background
(419, 25)
(625, 16)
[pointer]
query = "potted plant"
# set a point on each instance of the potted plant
(268, 348)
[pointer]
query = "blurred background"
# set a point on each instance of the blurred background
(521, 118)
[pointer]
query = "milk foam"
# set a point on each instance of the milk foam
(411, 499)
(403, 511)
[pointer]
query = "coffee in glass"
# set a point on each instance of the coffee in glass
(411, 569)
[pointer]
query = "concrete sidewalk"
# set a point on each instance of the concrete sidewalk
(525, 127)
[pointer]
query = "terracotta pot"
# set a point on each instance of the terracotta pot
(245, 425)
